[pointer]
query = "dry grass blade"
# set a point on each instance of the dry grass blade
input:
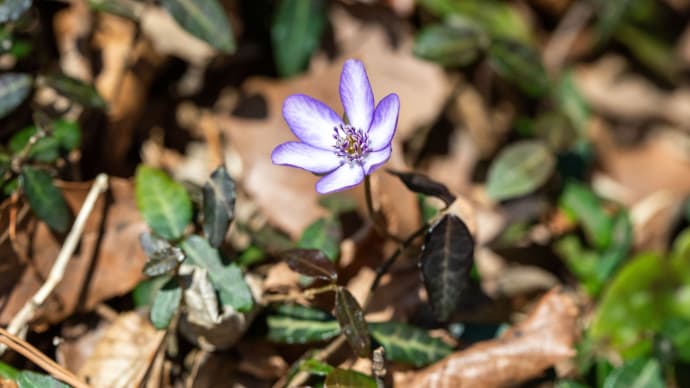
(27, 350)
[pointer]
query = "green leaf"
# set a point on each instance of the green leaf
(145, 292)
(124, 9)
(519, 169)
(609, 16)
(14, 88)
(584, 205)
(163, 202)
(654, 53)
(227, 278)
(498, 18)
(316, 367)
(640, 373)
(446, 260)
(45, 199)
(11, 10)
(311, 262)
(219, 205)
(572, 103)
(166, 304)
(76, 90)
(450, 44)
(296, 33)
(292, 330)
(8, 372)
(520, 64)
(44, 150)
(408, 344)
(204, 19)
(302, 312)
(644, 293)
(351, 319)
(555, 129)
(343, 378)
(677, 330)
(323, 234)
(29, 379)
(67, 133)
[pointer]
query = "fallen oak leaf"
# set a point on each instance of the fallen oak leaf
(545, 338)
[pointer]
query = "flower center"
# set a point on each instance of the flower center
(350, 143)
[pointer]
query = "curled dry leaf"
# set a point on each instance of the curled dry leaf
(123, 354)
(108, 262)
(545, 338)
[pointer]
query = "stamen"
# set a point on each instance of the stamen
(350, 143)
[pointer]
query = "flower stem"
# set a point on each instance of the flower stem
(375, 219)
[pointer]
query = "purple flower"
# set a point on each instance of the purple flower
(343, 152)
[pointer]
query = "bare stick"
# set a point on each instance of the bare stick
(27, 312)
(562, 40)
(37, 357)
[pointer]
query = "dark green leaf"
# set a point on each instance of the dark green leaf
(610, 14)
(570, 384)
(296, 33)
(586, 207)
(677, 330)
(219, 205)
(300, 331)
(555, 129)
(124, 9)
(316, 367)
(446, 260)
(498, 18)
(163, 261)
(45, 199)
(303, 312)
(76, 90)
(323, 234)
(311, 262)
(640, 373)
(14, 88)
(205, 19)
(351, 319)
(11, 10)
(44, 150)
(227, 278)
(420, 183)
(163, 202)
(450, 44)
(29, 379)
(520, 64)
(166, 304)
(651, 51)
(519, 169)
(343, 378)
(408, 344)
(67, 133)
(145, 292)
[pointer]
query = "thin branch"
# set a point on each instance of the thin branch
(37, 357)
(375, 219)
(27, 312)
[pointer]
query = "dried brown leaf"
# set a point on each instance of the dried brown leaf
(545, 338)
(107, 263)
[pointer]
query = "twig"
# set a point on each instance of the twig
(322, 355)
(564, 36)
(37, 357)
(27, 312)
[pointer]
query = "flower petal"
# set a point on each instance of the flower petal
(304, 156)
(375, 159)
(344, 177)
(356, 94)
(385, 121)
(311, 120)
